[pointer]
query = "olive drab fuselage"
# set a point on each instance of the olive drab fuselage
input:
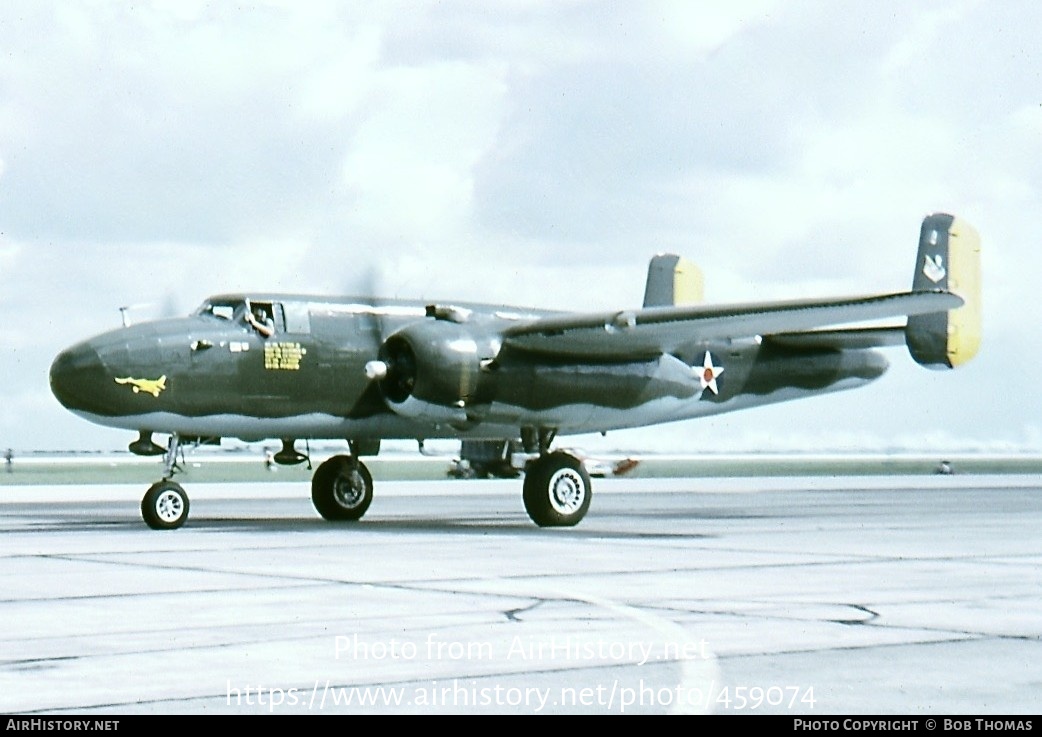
(210, 376)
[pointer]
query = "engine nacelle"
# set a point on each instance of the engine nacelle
(437, 369)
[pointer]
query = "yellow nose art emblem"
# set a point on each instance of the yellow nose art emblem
(149, 386)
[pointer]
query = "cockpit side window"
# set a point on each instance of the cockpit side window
(225, 312)
(238, 310)
(267, 318)
(298, 320)
(222, 310)
(268, 312)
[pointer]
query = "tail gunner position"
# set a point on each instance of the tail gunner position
(499, 377)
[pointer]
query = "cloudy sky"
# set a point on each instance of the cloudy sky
(535, 152)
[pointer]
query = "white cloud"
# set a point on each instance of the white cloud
(702, 26)
(410, 163)
(338, 80)
(924, 35)
(9, 254)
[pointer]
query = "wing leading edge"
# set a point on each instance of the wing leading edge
(632, 334)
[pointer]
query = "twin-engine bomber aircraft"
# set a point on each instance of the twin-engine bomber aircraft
(266, 366)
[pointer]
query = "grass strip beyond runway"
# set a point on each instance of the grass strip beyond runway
(249, 469)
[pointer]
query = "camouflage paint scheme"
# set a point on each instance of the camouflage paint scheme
(364, 370)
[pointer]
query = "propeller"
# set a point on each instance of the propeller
(375, 323)
(430, 352)
(376, 370)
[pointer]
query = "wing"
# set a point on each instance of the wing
(632, 334)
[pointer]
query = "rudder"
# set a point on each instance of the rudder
(672, 280)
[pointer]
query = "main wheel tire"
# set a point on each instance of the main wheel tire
(342, 489)
(165, 506)
(557, 490)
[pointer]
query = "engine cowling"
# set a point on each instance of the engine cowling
(437, 370)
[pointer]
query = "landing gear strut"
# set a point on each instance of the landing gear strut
(165, 504)
(557, 489)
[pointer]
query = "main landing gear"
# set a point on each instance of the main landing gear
(342, 488)
(557, 489)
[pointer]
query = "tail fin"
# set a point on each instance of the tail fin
(672, 280)
(949, 259)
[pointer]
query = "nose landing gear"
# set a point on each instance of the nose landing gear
(165, 504)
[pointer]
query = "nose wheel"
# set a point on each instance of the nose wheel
(165, 506)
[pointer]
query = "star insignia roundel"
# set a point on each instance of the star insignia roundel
(708, 374)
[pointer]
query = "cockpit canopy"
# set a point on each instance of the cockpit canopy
(287, 315)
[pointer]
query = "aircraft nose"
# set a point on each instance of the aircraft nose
(77, 374)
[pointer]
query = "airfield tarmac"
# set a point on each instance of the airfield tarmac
(783, 595)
